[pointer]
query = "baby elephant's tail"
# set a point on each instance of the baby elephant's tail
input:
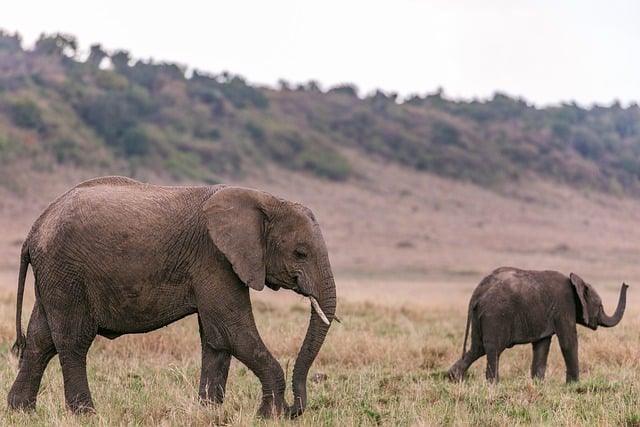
(457, 370)
(466, 331)
(21, 340)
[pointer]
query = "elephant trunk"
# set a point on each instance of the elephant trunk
(609, 321)
(313, 340)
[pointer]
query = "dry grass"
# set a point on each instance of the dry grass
(385, 366)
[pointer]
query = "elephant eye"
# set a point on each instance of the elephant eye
(300, 253)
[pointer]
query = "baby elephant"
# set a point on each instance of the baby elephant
(512, 306)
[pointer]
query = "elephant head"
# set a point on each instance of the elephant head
(271, 241)
(590, 311)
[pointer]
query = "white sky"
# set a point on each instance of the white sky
(545, 51)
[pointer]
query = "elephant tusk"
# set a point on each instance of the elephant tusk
(319, 312)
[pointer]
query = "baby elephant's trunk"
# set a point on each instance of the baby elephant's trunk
(609, 321)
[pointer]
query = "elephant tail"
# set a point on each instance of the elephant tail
(466, 331)
(21, 340)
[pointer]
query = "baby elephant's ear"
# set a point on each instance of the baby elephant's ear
(235, 220)
(581, 289)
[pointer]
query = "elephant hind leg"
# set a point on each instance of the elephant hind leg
(73, 331)
(38, 352)
(493, 364)
(76, 385)
(494, 342)
(457, 371)
(540, 354)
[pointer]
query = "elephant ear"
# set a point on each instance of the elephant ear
(235, 220)
(581, 289)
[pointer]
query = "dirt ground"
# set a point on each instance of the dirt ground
(400, 236)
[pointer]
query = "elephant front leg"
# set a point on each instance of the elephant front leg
(215, 363)
(38, 352)
(273, 387)
(251, 351)
(213, 378)
(236, 331)
(540, 354)
(568, 340)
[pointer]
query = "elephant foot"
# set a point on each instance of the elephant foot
(216, 398)
(207, 401)
(294, 411)
(22, 396)
(572, 378)
(455, 374)
(492, 378)
(26, 405)
(272, 407)
(81, 407)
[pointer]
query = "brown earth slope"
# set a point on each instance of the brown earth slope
(390, 225)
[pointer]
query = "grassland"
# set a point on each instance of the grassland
(384, 364)
(407, 250)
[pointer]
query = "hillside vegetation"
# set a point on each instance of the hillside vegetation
(108, 112)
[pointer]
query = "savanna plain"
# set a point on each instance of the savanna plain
(407, 250)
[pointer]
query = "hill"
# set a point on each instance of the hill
(109, 112)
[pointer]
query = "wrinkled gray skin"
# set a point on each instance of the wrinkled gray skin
(114, 256)
(512, 306)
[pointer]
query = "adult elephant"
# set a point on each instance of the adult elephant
(114, 256)
(512, 306)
